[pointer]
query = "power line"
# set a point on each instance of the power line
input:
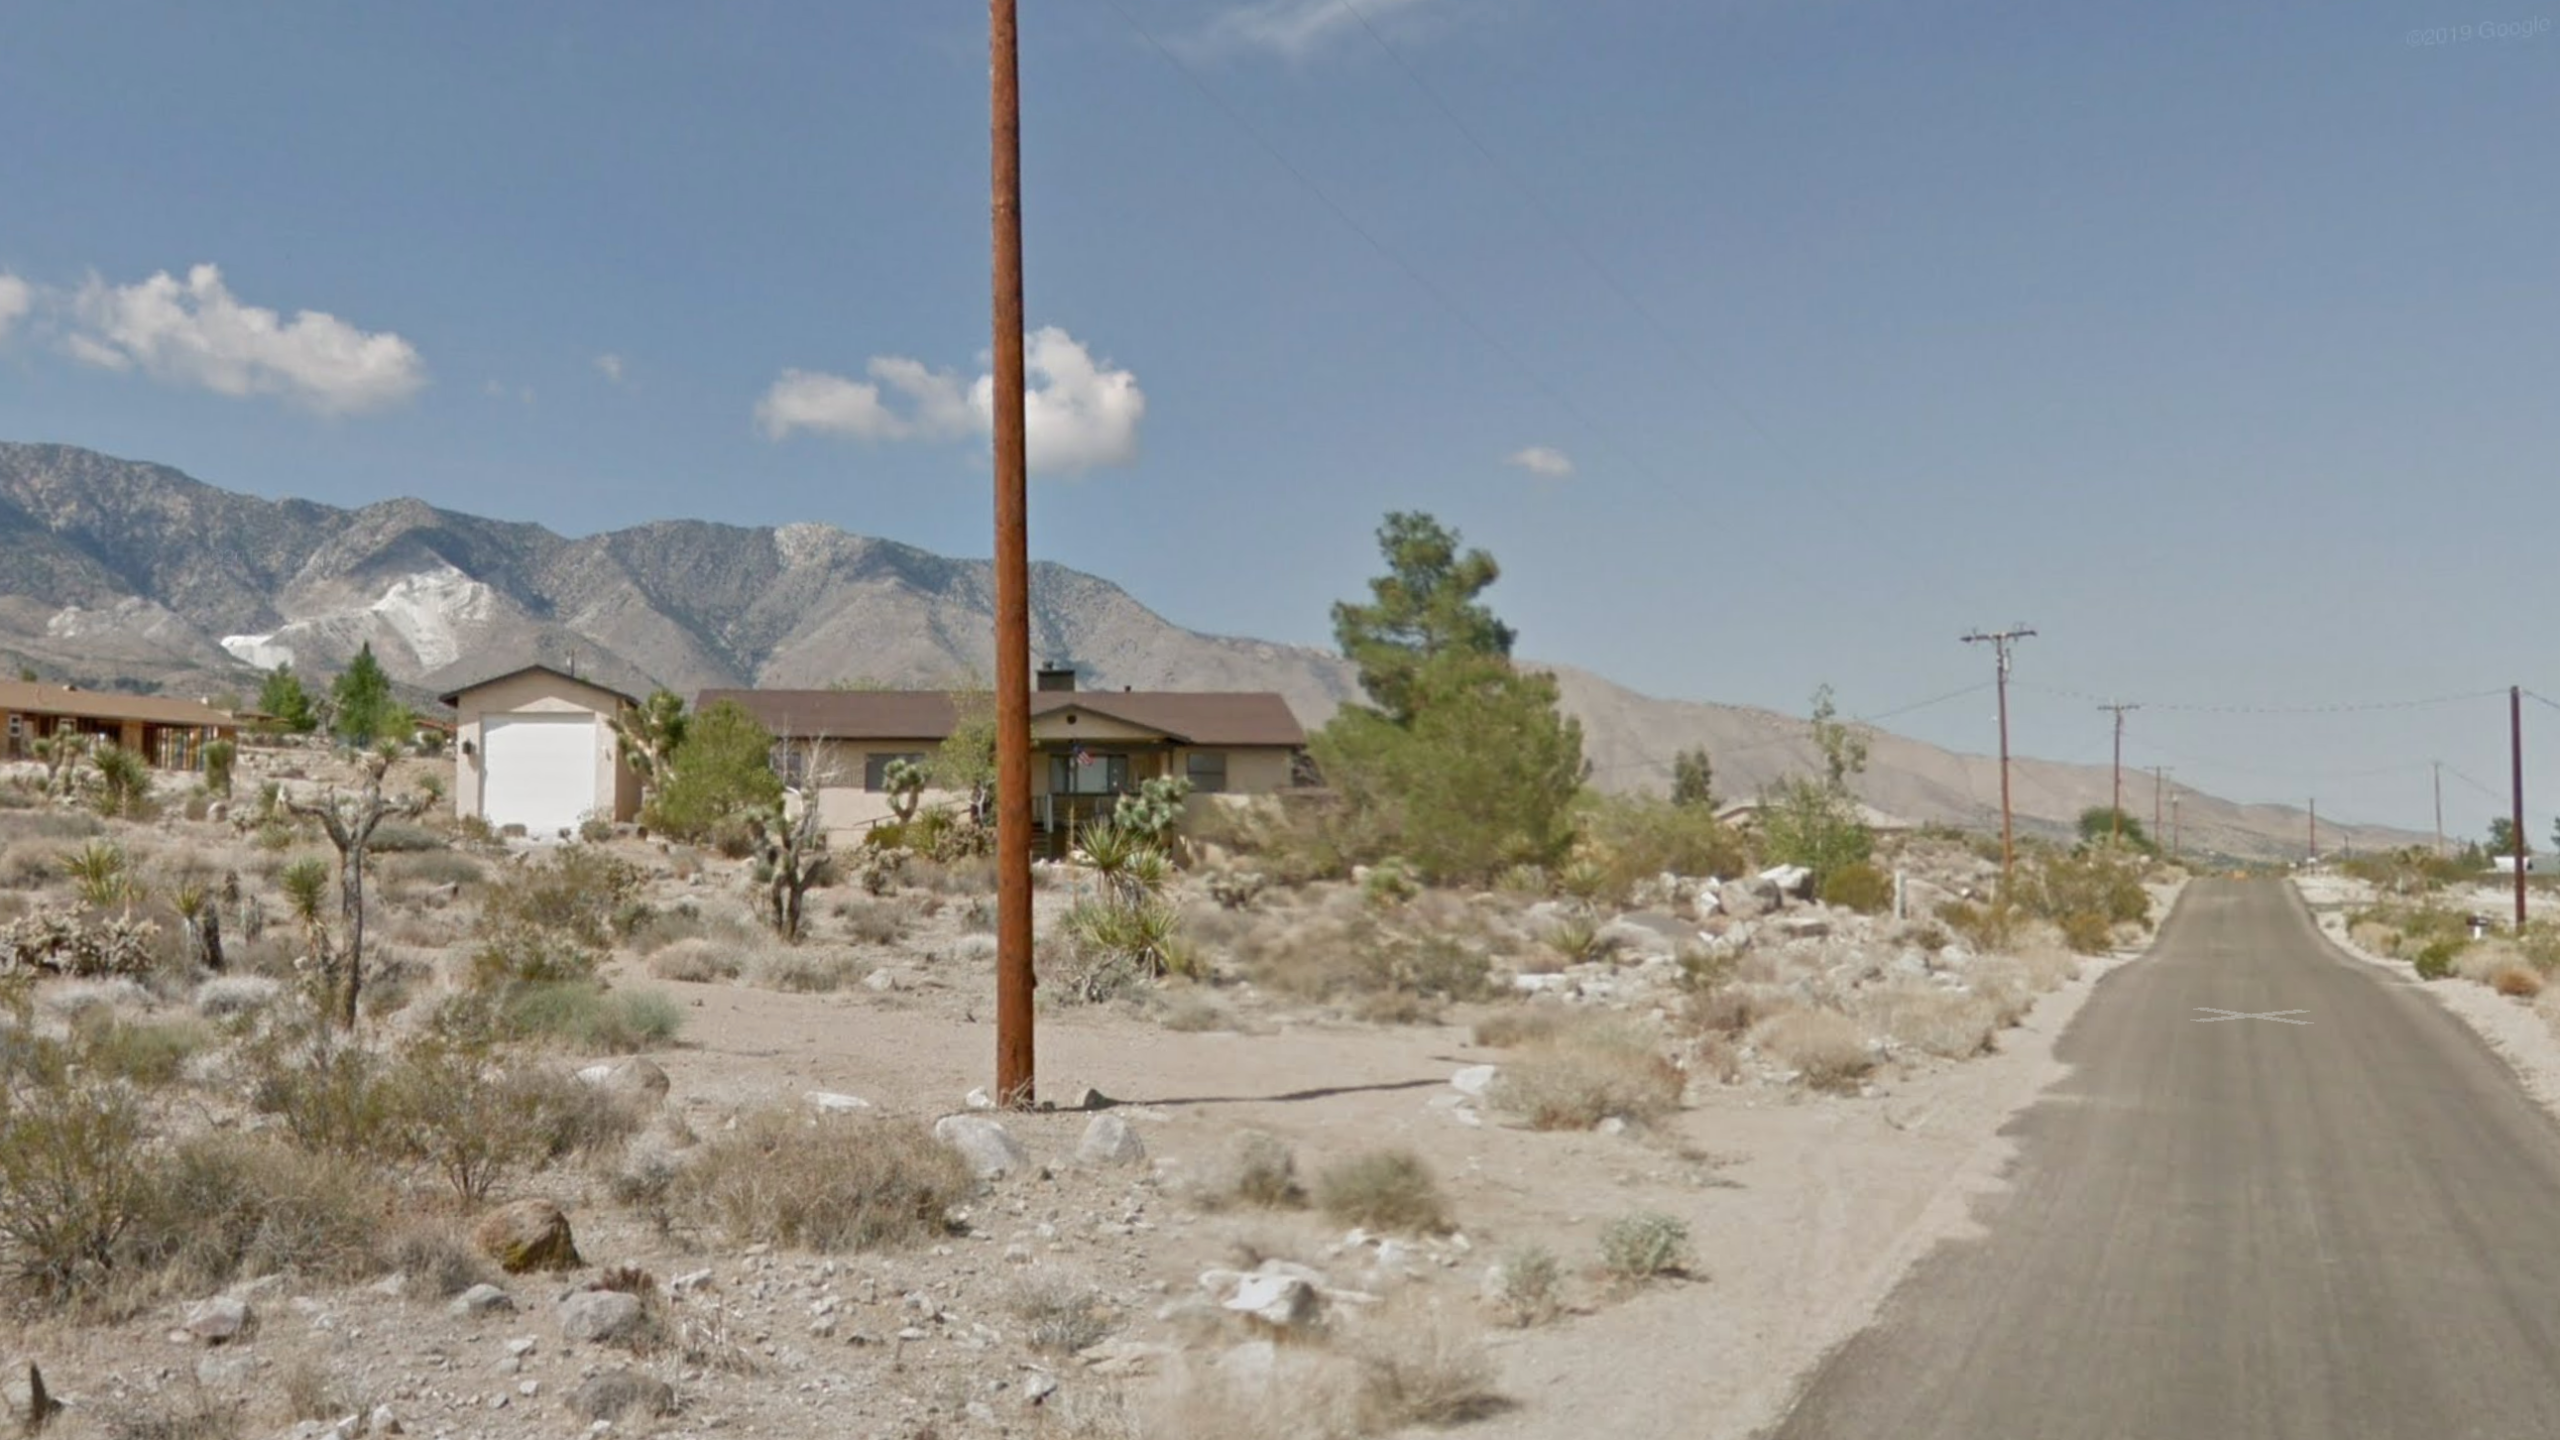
(1573, 242)
(1411, 271)
(2333, 708)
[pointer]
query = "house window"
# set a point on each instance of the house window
(791, 762)
(1207, 770)
(1088, 772)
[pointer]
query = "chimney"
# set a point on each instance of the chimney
(1055, 677)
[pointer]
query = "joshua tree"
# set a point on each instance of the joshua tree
(904, 780)
(650, 736)
(349, 821)
(791, 852)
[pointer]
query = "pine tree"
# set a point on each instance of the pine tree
(365, 710)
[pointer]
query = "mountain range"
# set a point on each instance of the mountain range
(123, 574)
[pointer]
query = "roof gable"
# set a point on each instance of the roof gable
(28, 697)
(454, 696)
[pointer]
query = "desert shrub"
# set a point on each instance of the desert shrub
(74, 1171)
(873, 922)
(31, 864)
(1644, 1246)
(148, 1053)
(177, 1413)
(2516, 980)
(1826, 1048)
(103, 875)
(840, 1184)
(2087, 896)
(1528, 1287)
(722, 766)
(2435, 959)
(439, 1258)
(2086, 931)
(123, 782)
(699, 962)
(434, 867)
(589, 1017)
(1985, 926)
(551, 919)
(327, 1098)
(393, 837)
(448, 1111)
(1259, 1170)
(1629, 839)
(224, 1207)
(1522, 1025)
(1936, 1022)
(1586, 1073)
(219, 757)
(1860, 887)
(312, 1391)
(1364, 958)
(806, 972)
(1060, 1314)
(1572, 937)
(1424, 1370)
(1384, 1190)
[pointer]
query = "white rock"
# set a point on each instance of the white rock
(1039, 1385)
(480, 1300)
(1110, 1140)
(1282, 1300)
(986, 1147)
(1474, 1080)
(382, 1421)
(831, 1102)
(1793, 880)
(979, 1099)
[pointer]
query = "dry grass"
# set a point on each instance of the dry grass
(1420, 1366)
(1826, 1048)
(176, 1414)
(808, 971)
(1946, 1023)
(1392, 1190)
(850, 1183)
(2516, 980)
(1257, 1170)
(698, 961)
(439, 1259)
(1060, 1314)
(1588, 1071)
(873, 922)
(1528, 1287)
(1522, 1025)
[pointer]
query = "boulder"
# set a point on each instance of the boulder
(982, 1144)
(1750, 897)
(1794, 881)
(220, 1320)
(598, 1316)
(1474, 1080)
(528, 1235)
(1284, 1301)
(1110, 1140)
(481, 1300)
(640, 1079)
(621, 1395)
(24, 1397)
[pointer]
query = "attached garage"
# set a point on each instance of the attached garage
(536, 748)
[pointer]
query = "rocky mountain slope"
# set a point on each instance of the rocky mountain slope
(116, 572)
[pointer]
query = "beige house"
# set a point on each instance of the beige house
(170, 734)
(536, 747)
(1088, 747)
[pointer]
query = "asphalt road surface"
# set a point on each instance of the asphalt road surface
(2239, 1227)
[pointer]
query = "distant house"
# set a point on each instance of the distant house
(536, 747)
(1089, 747)
(170, 734)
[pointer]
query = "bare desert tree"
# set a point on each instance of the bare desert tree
(350, 820)
(790, 847)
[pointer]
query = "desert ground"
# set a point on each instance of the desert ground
(1392, 1159)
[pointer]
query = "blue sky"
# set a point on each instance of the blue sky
(2217, 343)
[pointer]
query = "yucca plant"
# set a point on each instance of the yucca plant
(104, 880)
(123, 781)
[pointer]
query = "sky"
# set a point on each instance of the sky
(1764, 344)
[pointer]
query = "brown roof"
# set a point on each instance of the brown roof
(453, 696)
(1257, 717)
(26, 697)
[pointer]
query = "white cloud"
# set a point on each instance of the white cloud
(1544, 461)
(1291, 29)
(16, 299)
(610, 365)
(196, 332)
(1078, 412)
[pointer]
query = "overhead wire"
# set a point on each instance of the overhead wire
(1387, 252)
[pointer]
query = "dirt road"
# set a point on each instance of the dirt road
(2280, 1195)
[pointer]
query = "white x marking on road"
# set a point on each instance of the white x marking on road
(2213, 1016)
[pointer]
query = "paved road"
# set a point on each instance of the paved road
(2243, 1228)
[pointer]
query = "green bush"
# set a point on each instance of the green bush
(224, 1207)
(1644, 1246)
(722, 767)
(74, 1172)
(551, 919)
(1860, 887)
(1633, 838)
(590, 1018)
(2435, 959)
(219, 757)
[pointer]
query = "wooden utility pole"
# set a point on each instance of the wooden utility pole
(2515, 740)
(2177, 850)
(2315, 830)
(2115, 815)
(2159, 780)
(2000, 641)
(1015, 1086)
(2439, 769)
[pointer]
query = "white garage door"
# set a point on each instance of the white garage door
(541, 771)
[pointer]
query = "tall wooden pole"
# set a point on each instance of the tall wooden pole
(2115, 814)
(2439, 769)
(2515, 738)
(2000, 642)
(1014, 1074)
